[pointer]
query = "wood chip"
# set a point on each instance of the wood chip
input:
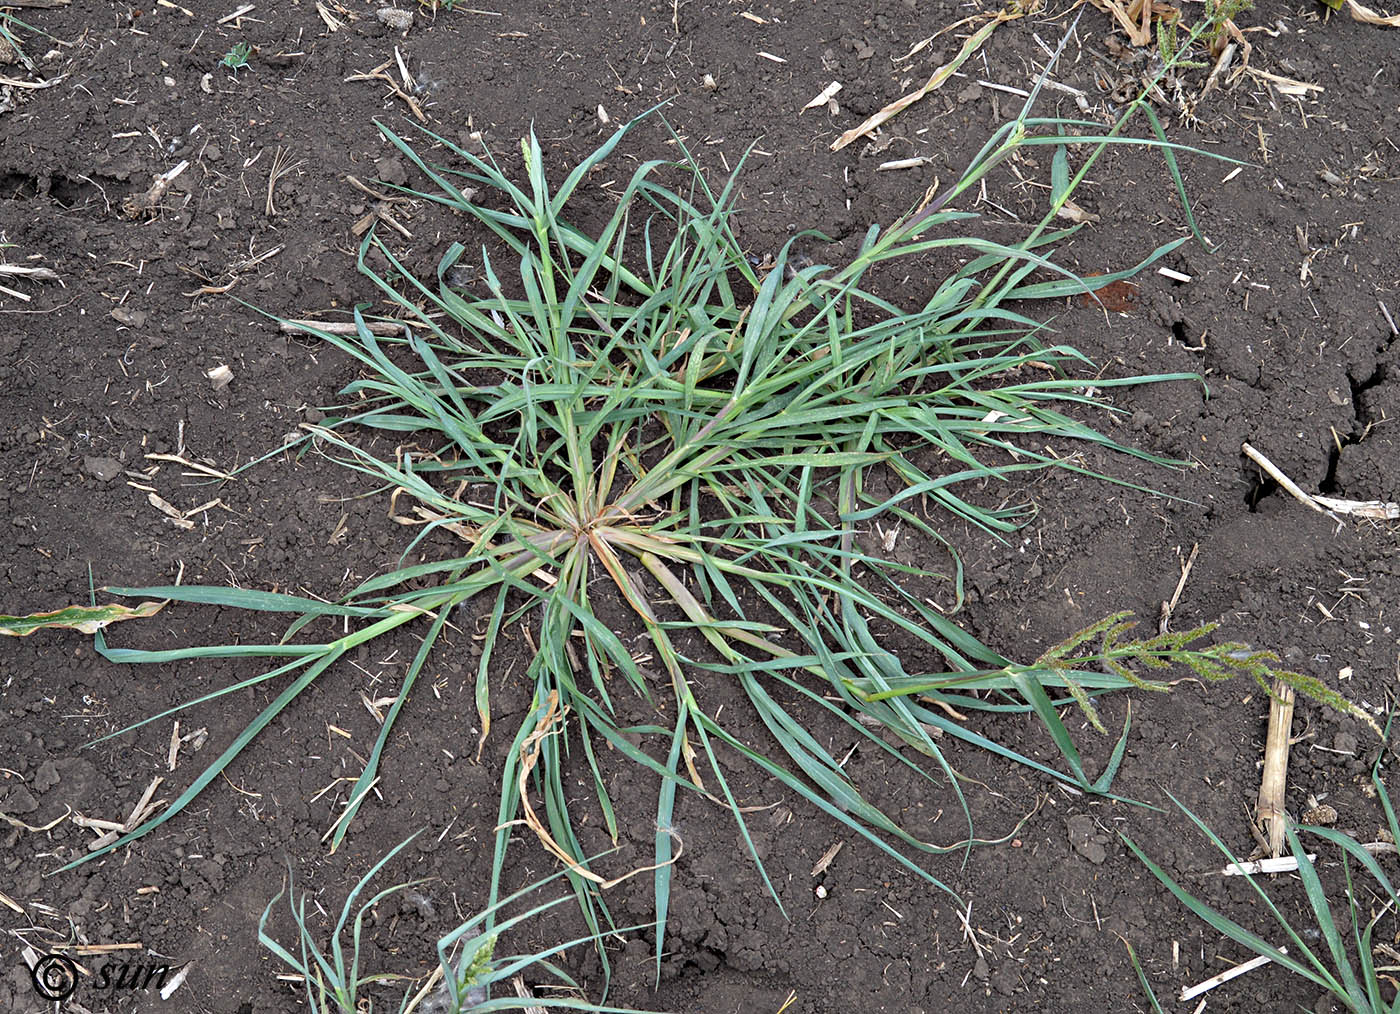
(176, 518)
(170, 987)
(143, 806)
(825, 861)
(823, 97)
(1367, 16)
(220, 376)
(1270, 811)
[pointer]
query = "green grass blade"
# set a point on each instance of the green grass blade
(1322, 911)
(1142, 977)
(1228, 927)
(213, 771)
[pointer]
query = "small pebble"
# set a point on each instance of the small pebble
(105, 469)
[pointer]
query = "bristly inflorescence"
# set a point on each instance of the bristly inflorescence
(1213, 663)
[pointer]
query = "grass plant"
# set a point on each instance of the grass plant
(332, 980)
(468, 962)
(640, 417)
(10, 37)
(1353, 968)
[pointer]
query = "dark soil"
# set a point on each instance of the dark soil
(109, 366)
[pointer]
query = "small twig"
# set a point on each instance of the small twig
(1227, 975)
(936, 81)
(1293, 488)
(245, 9)
(91, 949)
(1388, 319)
(1060, 86)
(376, 327)
(1018, 92)
(1381, 510)
(1282, 864)
(378, 74)
(38, 274)
(1286, 85)
(143, 806)
(253, 262)
(31, 85)
(172, 754)
(371, 192)
(1081, 99)
(904, 163)
(968, 933)
(196, 466)
(403, 70)
(825, 861)
(1169, 607)
(149, 202)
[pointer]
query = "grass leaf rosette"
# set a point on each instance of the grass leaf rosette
(647, 418)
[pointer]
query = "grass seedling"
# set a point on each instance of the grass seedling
(470, 975)
(9, 38)
(639, 416)
(468, 962)
(1349, 968)
(236, 59)
(332, 981)
(1142, 978)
